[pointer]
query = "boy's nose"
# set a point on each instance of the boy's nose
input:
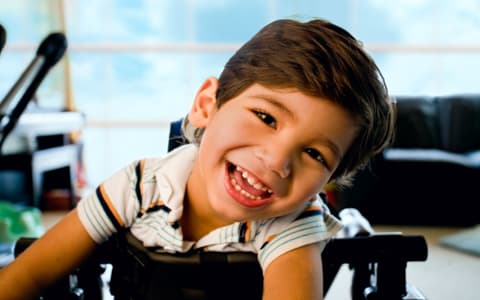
(276, 159)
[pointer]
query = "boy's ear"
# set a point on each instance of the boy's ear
(204, 104)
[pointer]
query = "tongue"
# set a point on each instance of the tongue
(243, 183)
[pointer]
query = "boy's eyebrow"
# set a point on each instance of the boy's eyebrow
(277, 104)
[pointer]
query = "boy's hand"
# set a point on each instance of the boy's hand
(295, 275)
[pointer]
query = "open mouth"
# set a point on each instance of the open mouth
(247, 185)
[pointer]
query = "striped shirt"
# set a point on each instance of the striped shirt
(147, 197)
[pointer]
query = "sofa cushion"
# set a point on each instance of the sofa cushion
(417, 125)
(459, 122)
(434, 162)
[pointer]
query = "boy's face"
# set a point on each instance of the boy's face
(265, 152)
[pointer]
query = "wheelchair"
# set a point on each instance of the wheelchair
(378, 262)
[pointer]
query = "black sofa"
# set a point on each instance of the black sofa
(431, 173)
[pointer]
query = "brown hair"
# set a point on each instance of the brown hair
(323, 60)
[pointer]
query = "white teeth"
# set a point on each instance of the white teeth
(259, 187)
(252, 181)
(243, 192)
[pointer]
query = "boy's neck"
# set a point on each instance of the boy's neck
(197, 220)
(194, 224)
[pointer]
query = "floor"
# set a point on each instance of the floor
(447, 274)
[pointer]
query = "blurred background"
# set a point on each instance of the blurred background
(132, 66)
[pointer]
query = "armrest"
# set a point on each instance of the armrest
(377, 248)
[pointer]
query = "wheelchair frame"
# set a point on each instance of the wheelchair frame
(378, 262)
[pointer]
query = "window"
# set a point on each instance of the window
(133, 66)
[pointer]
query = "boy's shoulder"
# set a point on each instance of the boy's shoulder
(313, 212)
(170, 171)
(183, 155)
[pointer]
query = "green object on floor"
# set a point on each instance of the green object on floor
(19, 221)
(467, 240)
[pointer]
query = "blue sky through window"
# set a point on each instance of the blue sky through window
(421, 46)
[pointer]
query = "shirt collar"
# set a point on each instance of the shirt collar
(172, 178)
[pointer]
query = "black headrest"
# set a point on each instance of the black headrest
(176, 137)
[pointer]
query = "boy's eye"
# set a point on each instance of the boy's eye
(266, 118)
(315, 154)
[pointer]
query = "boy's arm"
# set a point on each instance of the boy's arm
(54, 255)
(296, 274)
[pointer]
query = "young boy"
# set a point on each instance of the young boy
(298, 106)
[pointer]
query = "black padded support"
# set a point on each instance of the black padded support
(192, 276)
(175, 138)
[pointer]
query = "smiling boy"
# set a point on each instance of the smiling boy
(274, 155)
(298, 106)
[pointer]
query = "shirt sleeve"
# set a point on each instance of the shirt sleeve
(113, 205)
(315, 224)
